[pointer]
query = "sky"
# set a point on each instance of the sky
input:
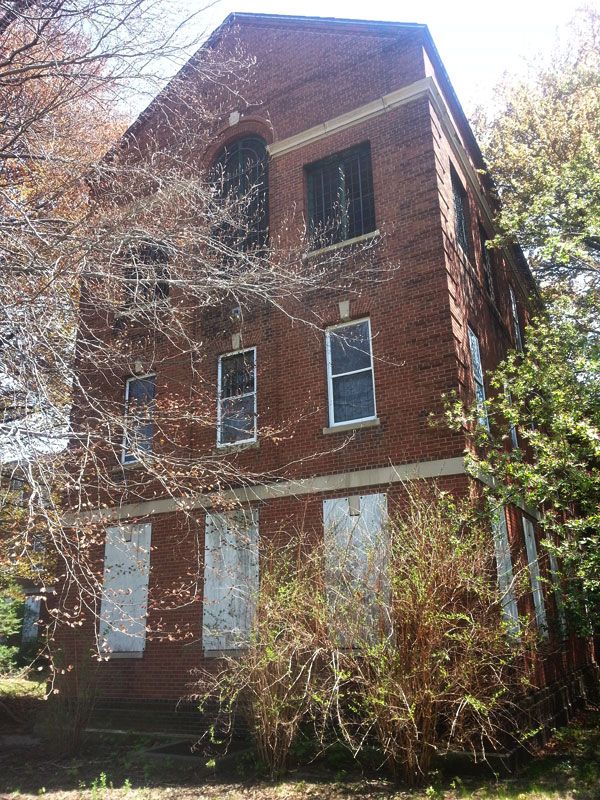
(477, 40)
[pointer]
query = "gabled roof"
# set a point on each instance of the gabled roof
(341, 26)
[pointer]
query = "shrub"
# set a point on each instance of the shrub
(401, 646)
(69, 705)
(441, 669)
(8, 659)
(272, 681)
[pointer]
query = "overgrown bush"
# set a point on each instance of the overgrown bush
(400, 645)
(272, 681)
(69, 706)
(441, 670)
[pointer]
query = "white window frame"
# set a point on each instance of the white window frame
(330, 376)
(220, 399)
(514, 313)
(126, 456)
(478, 380)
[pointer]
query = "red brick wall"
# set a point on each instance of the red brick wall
(419, 316)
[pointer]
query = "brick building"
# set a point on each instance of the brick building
(363, 111)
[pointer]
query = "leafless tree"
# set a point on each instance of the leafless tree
(123, 260)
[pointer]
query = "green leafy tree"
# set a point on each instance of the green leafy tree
(541, 139)
(552, 412)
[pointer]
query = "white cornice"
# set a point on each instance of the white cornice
(361, 114)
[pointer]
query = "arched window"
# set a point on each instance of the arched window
(240, 176)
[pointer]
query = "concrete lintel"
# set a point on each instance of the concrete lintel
(359, 479)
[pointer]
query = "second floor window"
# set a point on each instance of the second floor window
(236, 421)
(139, 411)
(341, 203)
(461, 212)
(351, 383)
(479, 385)
(240, 180)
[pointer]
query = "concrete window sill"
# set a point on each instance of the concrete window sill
(339, 245)
(224, 449)
(118, 656)
(353, 426)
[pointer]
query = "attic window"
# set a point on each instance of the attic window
(240, 181)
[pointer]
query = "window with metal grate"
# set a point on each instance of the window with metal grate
(341, 201)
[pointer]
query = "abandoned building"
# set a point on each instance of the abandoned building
(363, 111)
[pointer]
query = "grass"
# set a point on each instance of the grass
(567, 769)
(22, 687)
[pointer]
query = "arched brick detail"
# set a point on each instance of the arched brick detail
(247, 126)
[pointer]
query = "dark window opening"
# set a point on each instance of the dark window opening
(139, 411)
(514, 313)
(486, 260)
(341, 201)
(461, 212)
(147, 278)
(240, 181)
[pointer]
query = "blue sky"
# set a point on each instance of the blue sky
(477, 40)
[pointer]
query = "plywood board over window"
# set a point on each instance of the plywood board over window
(230, 580)
(124, 605)
(506, 583)
(534, 576)
(356, 557)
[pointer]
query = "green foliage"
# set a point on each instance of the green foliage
(11, 611)
(542, 144)
(541, 141)
(554, 403)
(8, 659)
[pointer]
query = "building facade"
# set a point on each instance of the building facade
(354, 138)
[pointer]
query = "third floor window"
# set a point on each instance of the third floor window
(341, 203)
(461, 213)
(240, 180)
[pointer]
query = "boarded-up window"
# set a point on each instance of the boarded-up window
(534, 576)
(505, 570)
(125, 589)
(356, 558)
(31, 616)
(230, 580)
(558, 595)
